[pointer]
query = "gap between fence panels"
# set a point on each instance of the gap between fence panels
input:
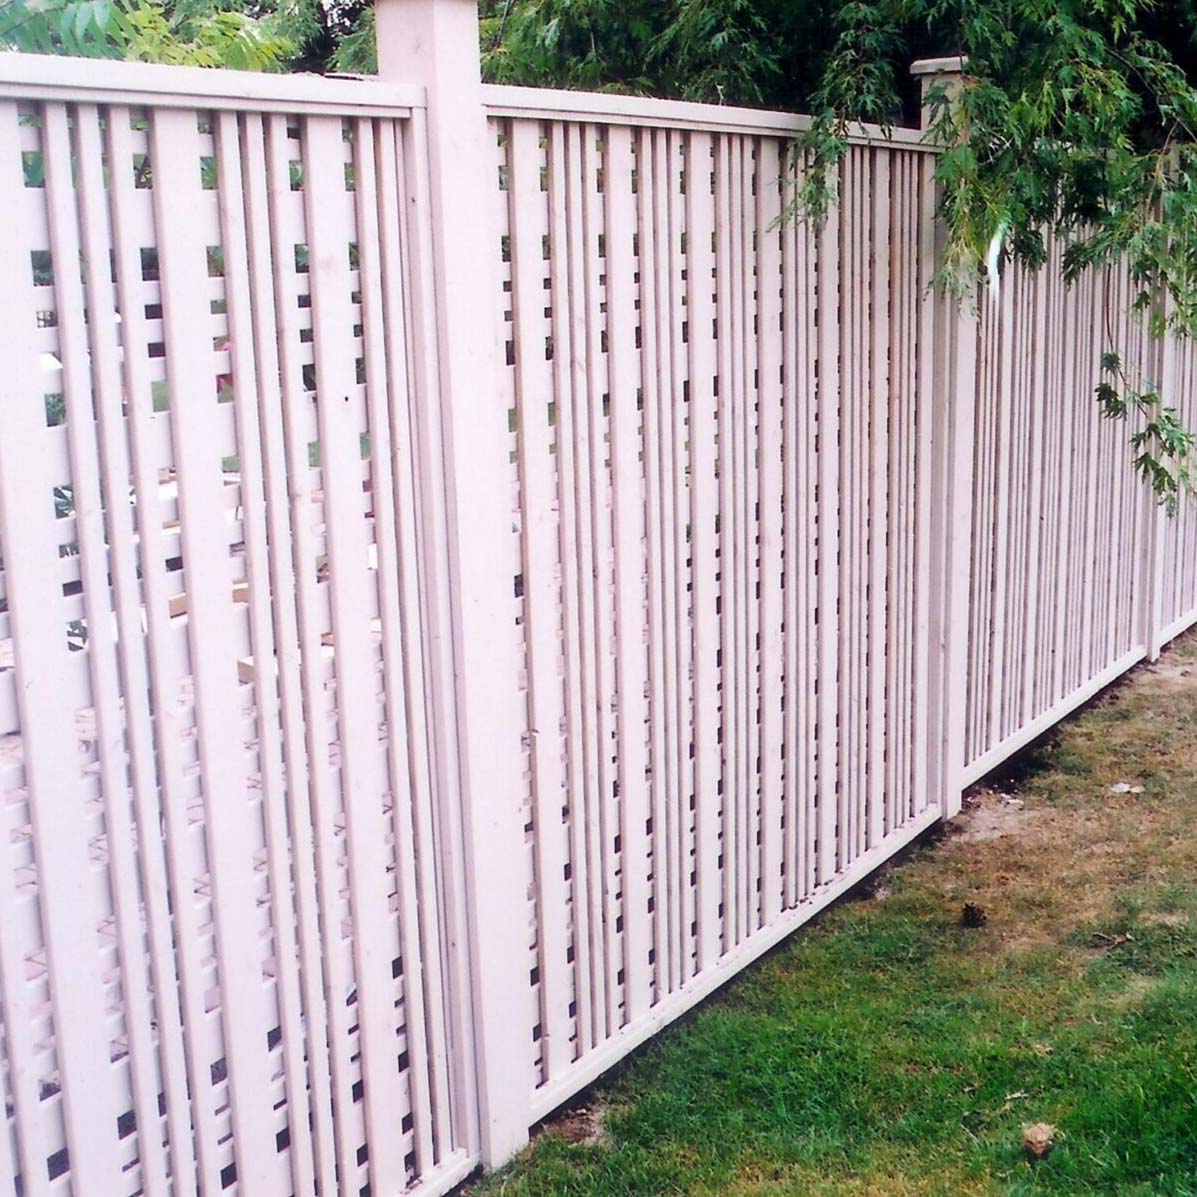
(492, 580)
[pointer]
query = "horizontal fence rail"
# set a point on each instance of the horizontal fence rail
(474, 575)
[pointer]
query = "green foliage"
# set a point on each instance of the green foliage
(179, 32)
(1077, 118)
(596, 45)
(720, 50)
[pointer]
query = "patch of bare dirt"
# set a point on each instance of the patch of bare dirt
(1172, 671)
(582, 1124)
(1105, 812)
(989, 815)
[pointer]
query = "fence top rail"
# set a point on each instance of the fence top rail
(74, 80)
(609, 109)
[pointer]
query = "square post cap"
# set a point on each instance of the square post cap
(932, 71)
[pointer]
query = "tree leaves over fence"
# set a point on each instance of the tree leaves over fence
(1077, 117)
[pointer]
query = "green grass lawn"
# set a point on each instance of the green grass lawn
(888, 1050)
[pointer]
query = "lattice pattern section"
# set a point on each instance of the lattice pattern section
(223, 907)
(722, 468)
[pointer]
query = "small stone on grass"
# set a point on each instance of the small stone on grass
(1039, 1139)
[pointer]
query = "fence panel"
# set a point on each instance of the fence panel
(226, 954)
(1060, 559)
(1176, 538)
(720, 462)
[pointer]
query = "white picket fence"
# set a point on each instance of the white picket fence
(473, 579)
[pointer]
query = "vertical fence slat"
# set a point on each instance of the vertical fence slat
(439, 824)
(738, 849)
(69, 918)
(897, 633)
(806, 483)
(565, 364)
(727, 590)
(700, 312)
(328, 1019)
(674, 481)
(828, 401)
(397, 512)
(602, 834)
(654, 227)
(188, 1101)
(357, 721)
(584, 779)
(878, 416)
(533, 390)
(175, 152)
(376, 190)
(792, 696)
(923, 548)
(850, 370)
(628, 516)
(93, 317)
(316, 1102)
(245, 381)
(748, 426)
(770, 401)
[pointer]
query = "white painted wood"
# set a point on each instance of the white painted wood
(389, 329)
(36, 76)
(189, 1108)
(329, 231)
(268, 331)
(540, 556)
(436, 44)
(577, 602)
(60, 837)
(827, 667)
(654, 386)
(453, 1074)
(727, 590)
(700, 316)
(603, 826)
(878, 417)
(770, 490)
(285, 443)
(566, 365)
(537, 103)
(86, 315)
(628, 516)
(231, 837)
(245, 384)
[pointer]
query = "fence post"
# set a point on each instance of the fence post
(953, 390)
(434, 43)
